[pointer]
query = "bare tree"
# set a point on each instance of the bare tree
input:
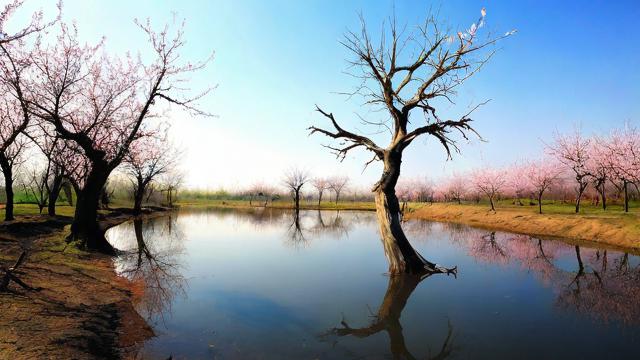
(437, 63)
(320, 184)
(148, 159)
(261, 190)
(294, 180)
(387, 319)
(58, 157)
(269, 193)
(337, 184)
(172, 181)
(35, 183)
(253, 191)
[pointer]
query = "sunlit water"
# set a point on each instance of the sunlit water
(223, 284)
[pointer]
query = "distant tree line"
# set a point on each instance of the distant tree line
(573, 168)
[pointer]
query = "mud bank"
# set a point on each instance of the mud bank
(77, 307)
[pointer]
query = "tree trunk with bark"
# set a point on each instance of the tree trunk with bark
(603, 195)
(540, 202)
(387, 319)
(54, 193)
(626, 196)
(296, 197)
(581, 188)
(579, 258)
(138, 195)
(85, 228)
(7, 172)
(66, 187)
(402, 257)
(137, 201)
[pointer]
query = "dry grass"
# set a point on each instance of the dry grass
(611, 227)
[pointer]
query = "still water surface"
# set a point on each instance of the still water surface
(254, 284)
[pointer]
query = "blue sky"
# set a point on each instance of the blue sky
(571, 62)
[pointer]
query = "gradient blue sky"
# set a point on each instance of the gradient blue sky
(570, 62)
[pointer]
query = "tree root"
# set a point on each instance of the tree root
(431, 269)
(9, 275)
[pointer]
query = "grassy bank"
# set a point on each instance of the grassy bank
(78, 307)
(613, 226)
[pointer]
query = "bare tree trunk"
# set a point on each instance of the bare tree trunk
(581, 188)
(603, 195)
(402, 257)
(580, 263)
(170, 196)
(493, 208)
(626, 196)
(66, 187)
(540, 202)
(7, 172)
(54, 192)
(137, 201)
(319, 198)
(138, 196)
(387, 319)
(296, 197)
(85, 222)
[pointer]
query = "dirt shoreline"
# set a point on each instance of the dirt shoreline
(621, 232)
(80, 308)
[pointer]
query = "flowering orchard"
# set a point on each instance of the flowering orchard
(90, 111)
(573, 168)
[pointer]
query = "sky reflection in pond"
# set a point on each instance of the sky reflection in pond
(251, 284)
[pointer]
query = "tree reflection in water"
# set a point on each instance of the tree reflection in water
(309, 225)
(602, 291)
(152, 263)
(295, 235)
(602, 284)
(399, 289)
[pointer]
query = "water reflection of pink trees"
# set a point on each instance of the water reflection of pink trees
(601, 284)
(151, 260)
(605, 287)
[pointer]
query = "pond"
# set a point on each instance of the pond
(256, 284)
